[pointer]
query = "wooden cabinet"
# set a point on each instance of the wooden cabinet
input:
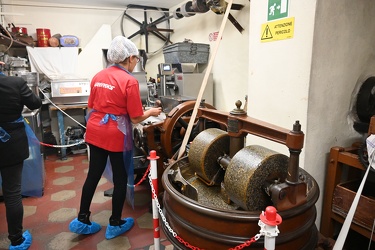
(343, 166)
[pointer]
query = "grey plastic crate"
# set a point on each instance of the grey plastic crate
(186, 53)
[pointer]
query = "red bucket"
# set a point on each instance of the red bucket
(42, 36)
(20, 30)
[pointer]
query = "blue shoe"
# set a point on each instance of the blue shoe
(81, 228)
(25, 244)
(114, 231)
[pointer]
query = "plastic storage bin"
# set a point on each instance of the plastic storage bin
(186, 53)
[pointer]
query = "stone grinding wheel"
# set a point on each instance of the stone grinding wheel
(247, 172)
(204, 152)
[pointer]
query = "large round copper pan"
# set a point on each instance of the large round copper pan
(208, 227)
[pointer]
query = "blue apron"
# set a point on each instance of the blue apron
(33, 167)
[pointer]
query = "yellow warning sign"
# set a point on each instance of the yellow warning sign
(277, 30)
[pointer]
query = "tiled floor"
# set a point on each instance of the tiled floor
(48, 217)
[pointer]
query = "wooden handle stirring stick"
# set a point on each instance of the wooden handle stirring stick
(204, 82)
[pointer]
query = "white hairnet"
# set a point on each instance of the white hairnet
(120, 49)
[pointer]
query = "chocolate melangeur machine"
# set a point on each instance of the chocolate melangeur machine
(214, 195)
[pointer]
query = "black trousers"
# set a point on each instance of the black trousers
(11, 185)
(98, 161)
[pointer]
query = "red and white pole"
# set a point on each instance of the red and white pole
(268, 223)
(155, 212)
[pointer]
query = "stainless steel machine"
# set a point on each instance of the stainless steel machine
(184, 80)
(183, 72)
(33, 117)
(70, 91)
(143, 86)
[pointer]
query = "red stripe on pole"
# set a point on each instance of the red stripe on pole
(156, 229)
(155, 184)
(155, 219)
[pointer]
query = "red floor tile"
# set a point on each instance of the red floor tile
(44, 232)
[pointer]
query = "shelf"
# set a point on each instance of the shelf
(5, 40)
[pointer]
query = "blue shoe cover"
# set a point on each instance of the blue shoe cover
(81, 228)
(114, 231)
(25, 244)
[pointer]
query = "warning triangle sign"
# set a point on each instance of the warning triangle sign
(267, 33)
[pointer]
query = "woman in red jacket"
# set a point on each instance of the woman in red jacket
(115, 104)
(14, 149)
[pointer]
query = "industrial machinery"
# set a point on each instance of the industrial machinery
(165, 133)
(184, 79)
(213, 196)
(70, 91)
(154, 25)
(183, 71)
(180, 78)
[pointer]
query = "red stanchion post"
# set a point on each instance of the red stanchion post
(155, 212)
(268, 223)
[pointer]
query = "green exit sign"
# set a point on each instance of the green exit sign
(277, 9)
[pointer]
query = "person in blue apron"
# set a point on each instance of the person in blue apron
(114, 104)
(14, 149)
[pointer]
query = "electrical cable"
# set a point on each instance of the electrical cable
(49, 100)
(62, 146)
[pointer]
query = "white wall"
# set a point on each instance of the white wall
(81, 22)
(230, 68)
(279, 71)
(230, 71)
(311, 77)
(343, 56)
